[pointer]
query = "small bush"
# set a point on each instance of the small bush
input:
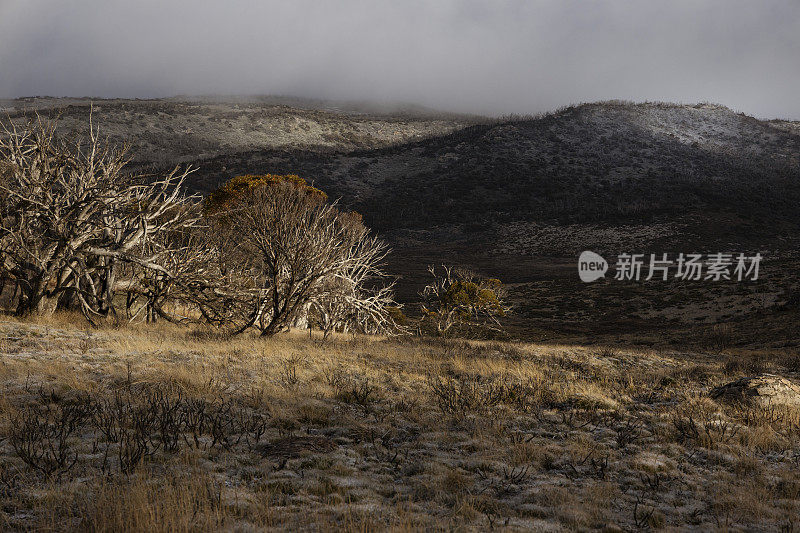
(42, 435)
(465, 394)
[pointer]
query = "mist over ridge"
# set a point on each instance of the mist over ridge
(464, 56)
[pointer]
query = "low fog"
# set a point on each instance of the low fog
(492, 57)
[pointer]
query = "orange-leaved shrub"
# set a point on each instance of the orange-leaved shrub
(240, 187)
(302, 260)
(457, 301)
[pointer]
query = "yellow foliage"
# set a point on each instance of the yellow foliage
(469, 295)
(241, 186)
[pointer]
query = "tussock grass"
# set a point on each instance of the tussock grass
(182, 430)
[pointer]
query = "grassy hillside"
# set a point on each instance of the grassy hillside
(519, 199)
(165, 429)
(597, 163)
(166, 132)
(599, 416)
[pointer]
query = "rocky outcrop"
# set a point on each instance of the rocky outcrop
(764, 389)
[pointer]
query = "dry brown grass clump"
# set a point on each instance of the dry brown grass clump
(166, 429)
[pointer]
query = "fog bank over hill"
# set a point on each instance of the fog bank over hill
(492, 58)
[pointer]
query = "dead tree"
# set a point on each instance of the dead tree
(70, 216)
(348, 303)
(195, 286)
(300, 252)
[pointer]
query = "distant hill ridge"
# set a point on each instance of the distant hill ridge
(516, 198)
(610, 162)
(598, 163)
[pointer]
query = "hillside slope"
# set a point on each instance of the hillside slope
(165, 132)
(521, 199)
(598, 163)
(515, 199)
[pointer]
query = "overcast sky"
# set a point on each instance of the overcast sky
(490, 56)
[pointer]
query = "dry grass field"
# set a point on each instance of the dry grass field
(161, 428)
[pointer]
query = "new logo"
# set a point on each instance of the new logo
(591, 266)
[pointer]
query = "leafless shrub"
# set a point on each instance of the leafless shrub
(350, 387)
(301, 256)
(70, 218)
(166, 409)
(629, 432)
(506, 481)
(578, 418)
(587, 464)
(460, 396)
(108, 415)
(134, 424)
(359, 391)
(466, 393)
(387, 450)
(222, 426)
(515, 475)
(253, 425)
(700, 424)
(129, 424)
(288, 374)
(193, 419)
(655, 481)
(523, 396)
(132, 449)
(600, 467)
(42, 436)
(337, 378)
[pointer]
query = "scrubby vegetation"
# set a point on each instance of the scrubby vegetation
(160, 428)
(517, 198)
(459, 303)
(262, 251)
(610, 162)
(176, 407)
(520, 199)
(171, 130)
